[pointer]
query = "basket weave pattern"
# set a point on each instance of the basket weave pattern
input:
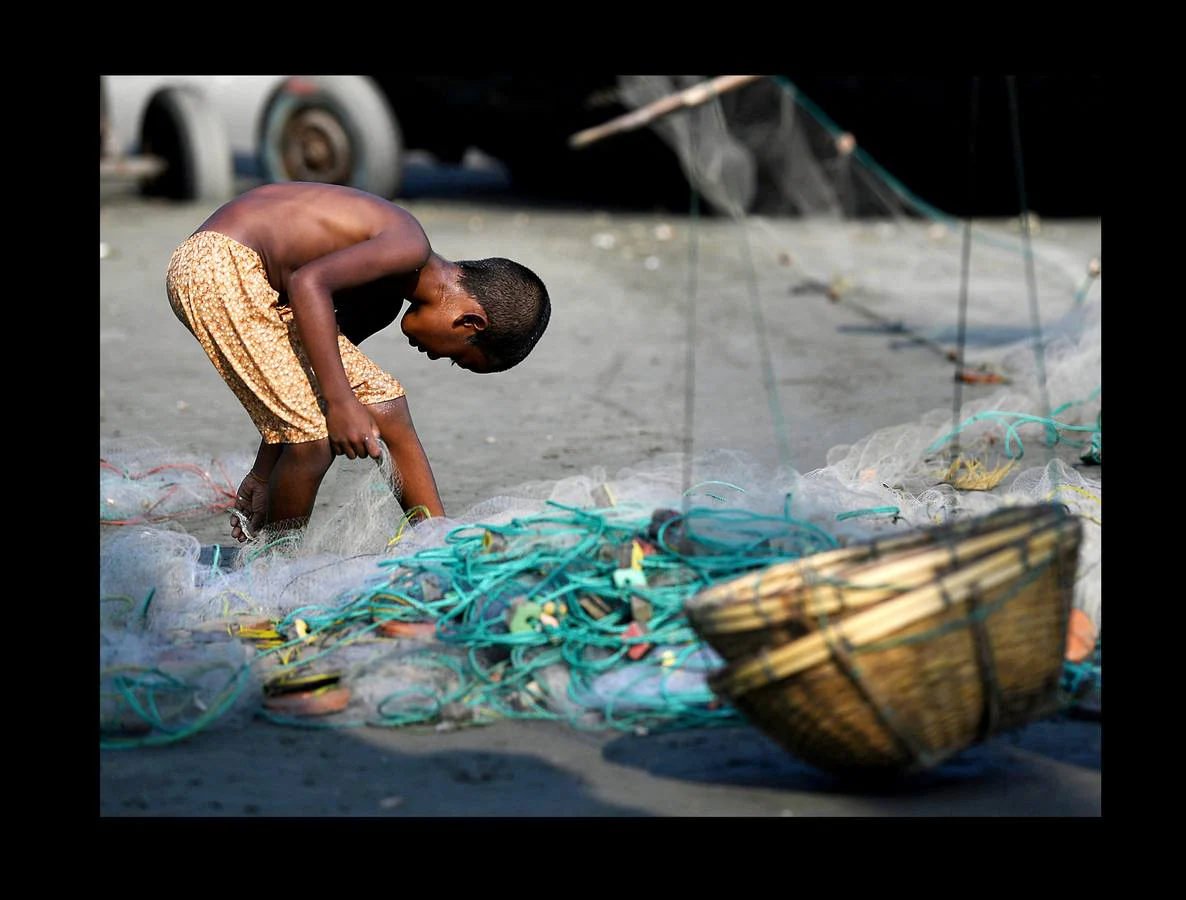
(939, 658)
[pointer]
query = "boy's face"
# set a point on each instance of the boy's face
(442, 333)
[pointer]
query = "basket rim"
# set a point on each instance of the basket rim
(999, 518)
(771, 665)
(865, 585)
(764, 592)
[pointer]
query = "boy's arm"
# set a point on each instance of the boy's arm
(400, 250)
(419, 487)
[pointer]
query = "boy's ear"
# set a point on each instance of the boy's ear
(475, 320)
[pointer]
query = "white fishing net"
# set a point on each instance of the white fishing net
(1013, 301)
(173, 608)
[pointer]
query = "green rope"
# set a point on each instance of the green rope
(903, 193)
(1054, 430)
(560, 555)
(144, 608)
(874, 511)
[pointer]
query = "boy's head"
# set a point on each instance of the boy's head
(495, 324)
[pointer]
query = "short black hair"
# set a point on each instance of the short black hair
(517, 308)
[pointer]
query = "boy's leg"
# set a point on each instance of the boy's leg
(296, 477)
(412, 471)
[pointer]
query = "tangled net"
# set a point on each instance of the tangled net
(564, 599)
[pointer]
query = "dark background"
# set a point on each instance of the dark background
(917, 127)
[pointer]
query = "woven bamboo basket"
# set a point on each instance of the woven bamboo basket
(905, 683)
(786, 601)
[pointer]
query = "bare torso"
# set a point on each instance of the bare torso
(290, 224)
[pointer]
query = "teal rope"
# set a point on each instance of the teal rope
(129, 689)
(144, 608)
(903, 193)
(1014, 449)
(728, 541)
(1077, 676)
(874, 511)
(560, 556)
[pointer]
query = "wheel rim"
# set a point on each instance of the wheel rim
(316, 147)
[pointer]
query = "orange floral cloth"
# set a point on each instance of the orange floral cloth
(219, 290)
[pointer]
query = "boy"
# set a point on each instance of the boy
(282, 283)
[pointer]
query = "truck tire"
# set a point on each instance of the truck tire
(181, 128)
(335, 129)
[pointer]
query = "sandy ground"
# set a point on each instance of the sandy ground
(605, 389)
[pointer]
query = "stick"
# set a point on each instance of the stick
(696, 95)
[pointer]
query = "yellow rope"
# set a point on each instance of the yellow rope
(405, 521)
(1085, 493)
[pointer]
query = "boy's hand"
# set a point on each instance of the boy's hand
(252, 502)
(352, 431)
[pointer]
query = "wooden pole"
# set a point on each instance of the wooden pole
(696, 95)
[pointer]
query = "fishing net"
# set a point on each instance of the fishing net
(1009, 302)
(564, 599)
(140, 482)
(848, 230)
